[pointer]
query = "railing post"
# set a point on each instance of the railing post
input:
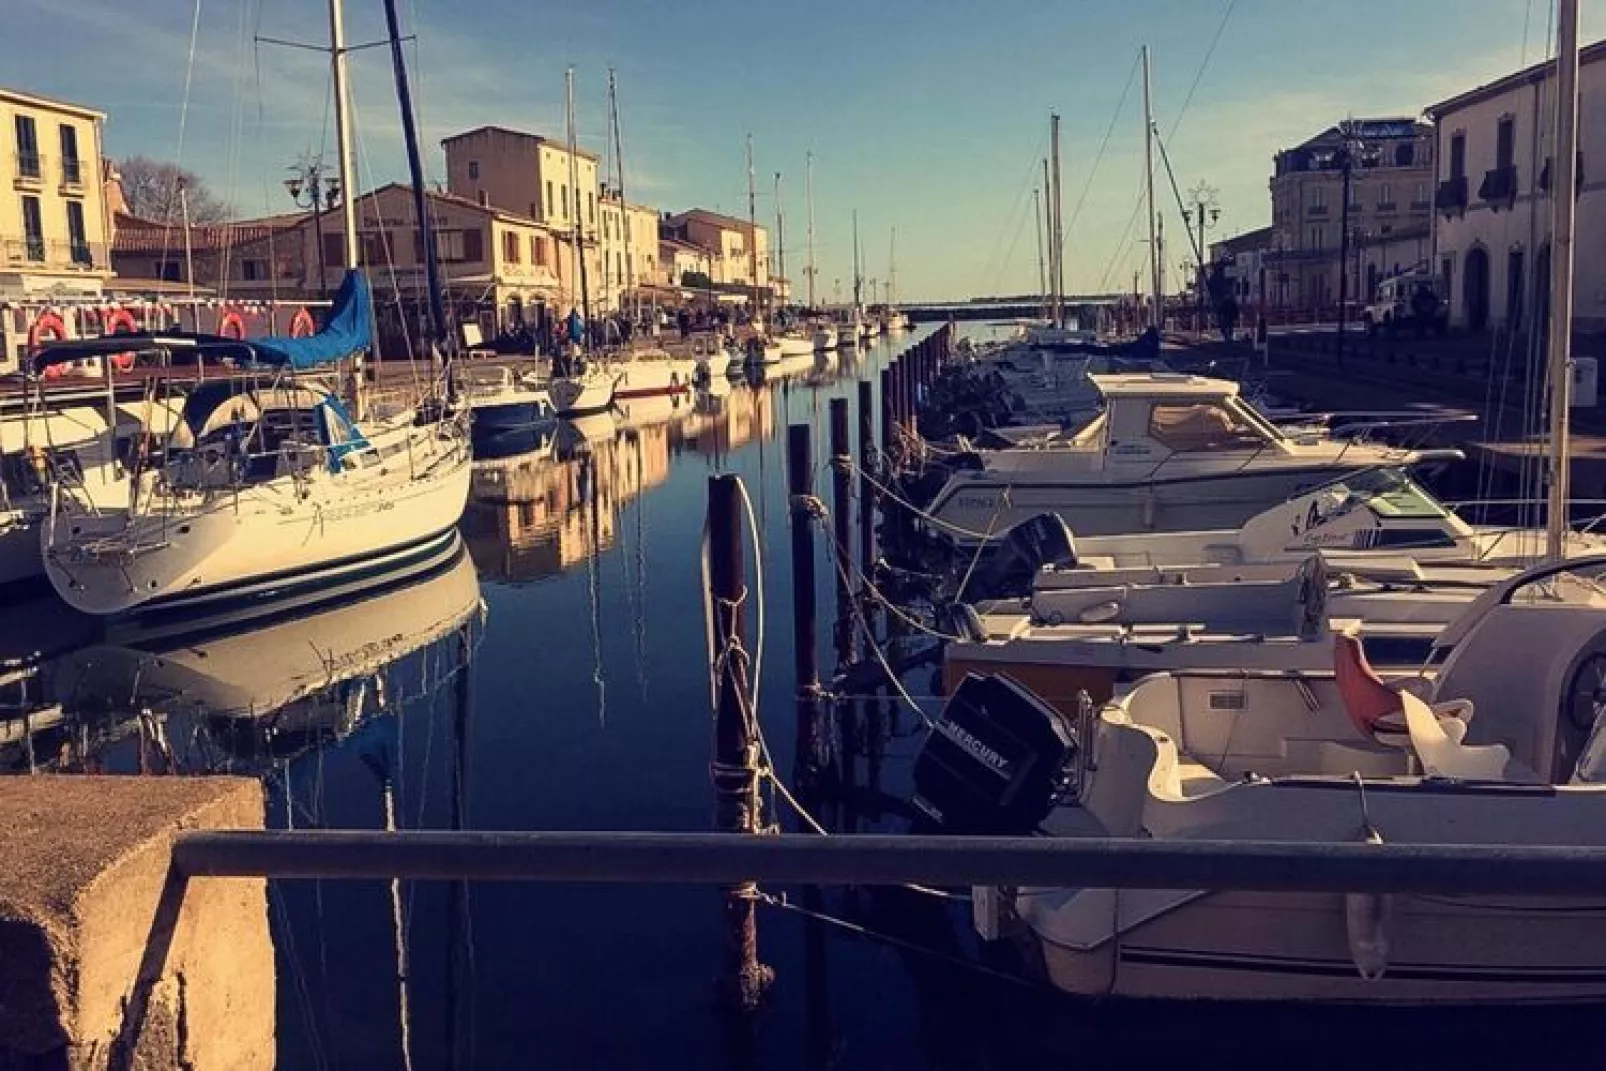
(841, 521)
(811, 752)
(736, 748)
(866, 488)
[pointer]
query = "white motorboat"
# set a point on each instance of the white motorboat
(72, 453)
(268, 486)
(583, 387)
(847, 336)
(796, 344)
(897, 322)
(498, 400)
(763, 350)
(1167, 453)
(825, 338)
(714, 361)
(1502, 742)
(653, 372)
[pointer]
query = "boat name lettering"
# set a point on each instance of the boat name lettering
(977, 502)
(986, 755)
(1229, 701)
(347, 512)
(1129, 448)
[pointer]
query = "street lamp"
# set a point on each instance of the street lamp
(309, 188)
(1206, 213)
(1352, 152)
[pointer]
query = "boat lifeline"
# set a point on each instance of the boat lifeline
(268, 485)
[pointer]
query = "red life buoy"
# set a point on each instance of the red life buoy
(120, 321)
(302, 324)
(48, 327)
(231, 324)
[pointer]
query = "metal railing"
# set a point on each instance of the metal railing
(30, 165)
(726, 858)
(36, 250)
(72, 171)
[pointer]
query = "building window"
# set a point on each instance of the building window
(72, 171)
(1316, 237)
(473, 169)
(1505, 143)
(29, 164)
(591, 208)
(564, 190)
(484, 200)
(253, 270)
(535, 210)
(33, 229)
(1447, 273)
(77, 235)
(1420, 198)
(334, 250)
(473, 246)
(169, 271)
(1458, 156)
(1405, 154)
(1318, 197)
(1514, 289)
(511, 247)
(537, 251)
(550, 204)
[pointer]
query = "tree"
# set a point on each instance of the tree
(151, 191)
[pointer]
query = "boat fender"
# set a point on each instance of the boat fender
(1151, 507)
(120, 321)
(967, 623)
(1367, 918)
(48, 327)
(302, 325)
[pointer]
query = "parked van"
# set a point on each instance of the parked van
(1417, 300)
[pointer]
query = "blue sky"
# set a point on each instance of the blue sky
(929, 117)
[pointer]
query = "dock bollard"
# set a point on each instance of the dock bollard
(736, 747)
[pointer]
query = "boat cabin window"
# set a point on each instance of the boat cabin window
(1186, 427)
(1391, 493)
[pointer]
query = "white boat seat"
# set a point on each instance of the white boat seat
(1437, 742)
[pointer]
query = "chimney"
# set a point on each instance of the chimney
(116, 203)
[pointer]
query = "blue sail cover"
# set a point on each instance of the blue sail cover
(347, 331)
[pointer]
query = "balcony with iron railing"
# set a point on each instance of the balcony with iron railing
(72, 173)
(30, 168)
(1387, 206)
(1316, 210)
(35, 252)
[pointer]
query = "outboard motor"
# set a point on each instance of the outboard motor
(995, 763)
(1022, 553)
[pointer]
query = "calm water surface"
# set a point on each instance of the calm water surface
(575, 697)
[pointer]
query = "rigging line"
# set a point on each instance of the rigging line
(1103, 145)
(1014, 241)
(236, 139)
(1204, 64)
(183, 120)
(1017, 205)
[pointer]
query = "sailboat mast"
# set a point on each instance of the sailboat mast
(342, 104)
(892, 269)
(858, 280)
(574, 185)
(780, 231)
(1057, 238)
(415, 171)
(808, 182)
(1563, 201)
(1042, 270)
(752, 227)
(1156, 313)
(627, 277)
(1047, 237)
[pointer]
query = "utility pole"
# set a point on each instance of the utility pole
(1158, 316)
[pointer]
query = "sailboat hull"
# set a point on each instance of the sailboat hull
(580, 395)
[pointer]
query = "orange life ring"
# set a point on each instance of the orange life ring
(48, 327)
(302, 324)
(120, 321)
(231, 324)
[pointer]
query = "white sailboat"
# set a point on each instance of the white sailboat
(269, 485)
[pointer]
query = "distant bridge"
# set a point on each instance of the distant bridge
(999, 309)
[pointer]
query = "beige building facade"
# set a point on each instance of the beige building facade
(1389, 217)
(629, 248)
(733, 245)
(1493, 198)
(54, 227)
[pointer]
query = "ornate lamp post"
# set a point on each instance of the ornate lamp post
(311, 188)
(1352, 152)
(1205, 213)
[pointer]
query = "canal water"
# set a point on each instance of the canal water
(555, 677)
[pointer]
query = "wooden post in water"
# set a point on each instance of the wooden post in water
(866, 488)
(889, 419)
(841, 519)
(811, 751)
(736, 750)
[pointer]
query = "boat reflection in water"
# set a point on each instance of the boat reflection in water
(247, 696)
(534, 515)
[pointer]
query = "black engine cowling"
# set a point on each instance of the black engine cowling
(994, 764)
